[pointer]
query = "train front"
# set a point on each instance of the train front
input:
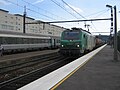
(70, 42)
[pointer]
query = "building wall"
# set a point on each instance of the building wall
(14, 23)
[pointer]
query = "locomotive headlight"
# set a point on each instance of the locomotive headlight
(78, 45)
(61, 45)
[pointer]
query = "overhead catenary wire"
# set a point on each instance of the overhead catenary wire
(51, 18)
(77, 12)
(30, 10)
(93, 25)
(64, 8)
(102, 11)
(73, 9)
(43, 9)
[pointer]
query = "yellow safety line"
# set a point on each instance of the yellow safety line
(60, 82)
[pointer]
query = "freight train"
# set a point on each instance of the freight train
(77, 41)
(15, 42)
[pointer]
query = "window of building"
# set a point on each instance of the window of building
(11, 17)
(5, 21)
(4, 26)
(11, 22)
(10, 27)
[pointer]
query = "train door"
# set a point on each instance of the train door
(53, 43)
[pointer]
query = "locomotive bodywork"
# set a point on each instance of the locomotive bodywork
(76, 42)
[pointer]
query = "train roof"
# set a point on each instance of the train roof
(26, 34)
(22, 36)
(80, 29)
(77, 29)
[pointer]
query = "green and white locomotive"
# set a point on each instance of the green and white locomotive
(76, 41)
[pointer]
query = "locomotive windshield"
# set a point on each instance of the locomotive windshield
(71, 35)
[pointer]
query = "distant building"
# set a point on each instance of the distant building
(14, 23)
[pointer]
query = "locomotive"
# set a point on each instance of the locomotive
(76, 41)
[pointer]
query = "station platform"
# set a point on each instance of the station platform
(98, 72)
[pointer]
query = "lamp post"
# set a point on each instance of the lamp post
(115, 30)
(115, 35)
(24, 16)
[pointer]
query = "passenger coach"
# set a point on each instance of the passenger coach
(14, 42)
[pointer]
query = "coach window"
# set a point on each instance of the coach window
(19, 40)
(24, 40)
(10, 40)
(50, 40)
(40, 41)
(14, 40)
(45, 41)
(32, 40)
(4, 40)
(29, 40)
(35, 40)
(0, 40)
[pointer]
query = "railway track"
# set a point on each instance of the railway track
(26, 72)
(18, 65)
(11, 70)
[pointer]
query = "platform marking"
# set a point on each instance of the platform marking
(60, 82)
(54, 87)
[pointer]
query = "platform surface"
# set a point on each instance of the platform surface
(100, 73)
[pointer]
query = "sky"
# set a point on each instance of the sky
(67, 10)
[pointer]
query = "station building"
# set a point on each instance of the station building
(14, 23)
